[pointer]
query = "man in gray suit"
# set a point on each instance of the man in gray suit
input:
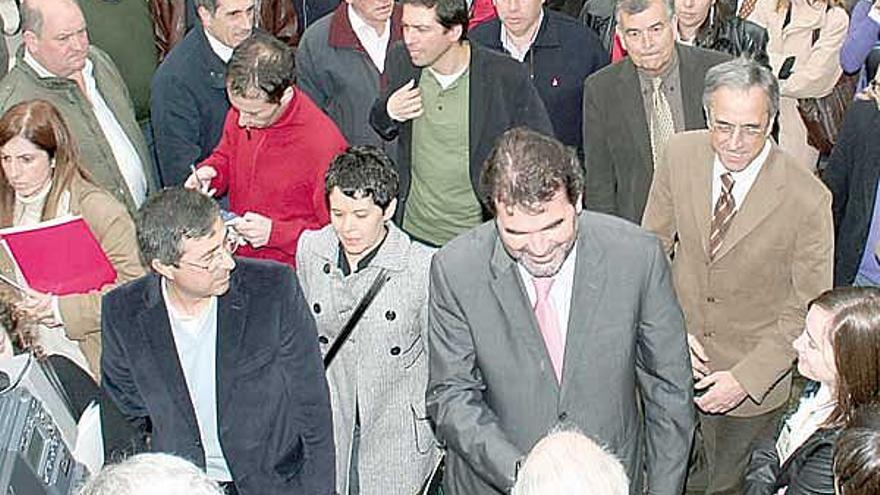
(548, 315)
(633, 107)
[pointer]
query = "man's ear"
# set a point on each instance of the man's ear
(166, 271)
(390, 210)
(205, 16)
(579, 204)
(30, 39)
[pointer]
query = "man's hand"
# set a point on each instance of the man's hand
(699, 368)
(724, 393)
(37, 307)
(200, 180)
(255, 228)
(405, 103)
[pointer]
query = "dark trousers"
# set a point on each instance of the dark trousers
(721, 451)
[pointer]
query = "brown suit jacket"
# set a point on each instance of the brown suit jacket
(114, 230)
(747, 305)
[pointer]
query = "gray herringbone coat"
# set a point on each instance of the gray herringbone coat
(383, 368)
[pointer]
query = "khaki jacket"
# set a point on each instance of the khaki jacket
(747, 305)
(114, 230)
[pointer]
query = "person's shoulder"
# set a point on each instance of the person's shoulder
(471, 249)
(685, 143)
(487, 33)
(180, 59)
(702, 57)
(316, 34)
(802, 183)
(608, 76)
(95, 202)
(621, 240)
(130, 298)
(568, 25)
(317, 242)
(260, 277)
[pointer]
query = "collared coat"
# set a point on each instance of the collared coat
(747, 304)
(626, 378)
(381, 372)
(564, 53)
(22, 83)
(500, 97)
(188, 106)
(112, 227)
(617, 138)
(336, 71)
(273, 409)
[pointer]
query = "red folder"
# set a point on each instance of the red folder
(59, 256)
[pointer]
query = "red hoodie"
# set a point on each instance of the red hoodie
(278, 172)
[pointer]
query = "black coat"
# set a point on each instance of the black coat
(564, 53)
(273, 406)
(852, 174)
(500, 97)
(188, 106)
(807, 471)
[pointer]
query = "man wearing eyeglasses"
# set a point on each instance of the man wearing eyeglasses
(750, 234)
(216, 359)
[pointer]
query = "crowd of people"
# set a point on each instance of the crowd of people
(450, 246)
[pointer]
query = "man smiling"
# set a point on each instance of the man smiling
(550, 314)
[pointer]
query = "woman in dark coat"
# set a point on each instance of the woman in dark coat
(838, 350)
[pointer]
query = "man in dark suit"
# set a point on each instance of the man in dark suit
(220, 367)
(448, 100)
(552, 315)
(189, 102)
(749, 230)
(632, 107)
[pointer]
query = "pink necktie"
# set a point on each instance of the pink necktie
(548, 322)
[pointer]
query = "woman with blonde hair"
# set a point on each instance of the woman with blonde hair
(42, 179)
(805, 38)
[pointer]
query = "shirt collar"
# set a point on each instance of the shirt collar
(360, 27)
(748, 173)
(511, 48)
(222, 51)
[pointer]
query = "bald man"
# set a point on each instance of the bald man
(56, 63)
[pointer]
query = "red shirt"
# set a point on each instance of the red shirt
(278, 172)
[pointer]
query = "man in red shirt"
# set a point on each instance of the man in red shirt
(276, 147)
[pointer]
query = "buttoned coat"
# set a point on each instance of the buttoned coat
(382, 369)
(617, 139)
(747, 305)
(626, 379)
(188, 106)
(22, 83)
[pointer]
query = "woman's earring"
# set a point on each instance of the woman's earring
(52, 163)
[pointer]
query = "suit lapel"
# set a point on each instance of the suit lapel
(588, 286)
(763, 198)
(231, 320)
(700, 192)
(156, 330)
(514, 302)
(629, 101)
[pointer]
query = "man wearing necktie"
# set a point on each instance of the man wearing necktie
(550, 314)
(750, 234)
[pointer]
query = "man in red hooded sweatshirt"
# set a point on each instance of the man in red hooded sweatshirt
(276, 147)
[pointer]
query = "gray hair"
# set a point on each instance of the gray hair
(566, 462)
(209, 5)
(31, 17)
(632, 7)
(170, 216)
(742, 74)
(146, 474)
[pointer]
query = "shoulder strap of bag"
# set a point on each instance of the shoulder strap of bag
(362, 306)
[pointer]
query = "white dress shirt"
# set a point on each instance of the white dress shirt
(743, 179)
(196, 341)
(376, 45)
(222, 51)
(560, 292)
(127, 158)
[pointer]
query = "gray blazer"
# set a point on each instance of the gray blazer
(617, 141)
(491, 388)
(382, 370)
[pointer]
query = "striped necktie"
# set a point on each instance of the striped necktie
(722, 216)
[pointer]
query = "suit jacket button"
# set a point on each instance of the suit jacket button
(316, 308)
(390, 315)
(326, 267)
(323, 339)
(710, 299)
(395, 351)
(563, 416)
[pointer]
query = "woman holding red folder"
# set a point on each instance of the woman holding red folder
(41, 179)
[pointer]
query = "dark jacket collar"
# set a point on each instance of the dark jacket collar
(548, 33)
(342, 35)
(209, 58)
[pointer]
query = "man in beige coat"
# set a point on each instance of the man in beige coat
(745, 268)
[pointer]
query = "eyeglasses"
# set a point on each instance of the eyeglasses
(231, 241)
(748, 132)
